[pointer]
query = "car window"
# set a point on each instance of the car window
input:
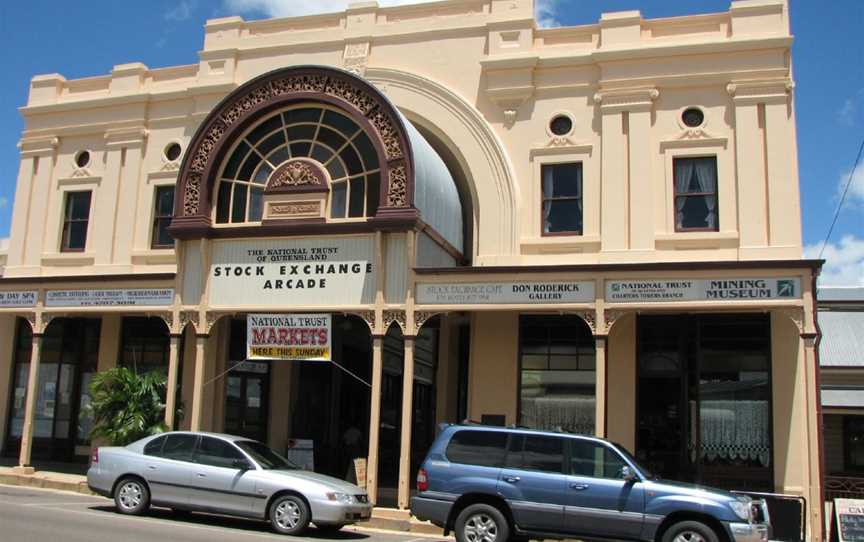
(266, 458)
(217, 453)
(179, 447)
(481, 448)
(595, 460)
(535, 452)
(154, 447)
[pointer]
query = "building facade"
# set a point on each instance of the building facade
(594, 228)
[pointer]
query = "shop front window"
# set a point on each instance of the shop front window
(144, 344)
(853, 443)
(557, 370)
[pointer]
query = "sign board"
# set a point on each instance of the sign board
(850, 519)
(302, 272)
(360, 472)
(288, 336)
(149, 297)
(301, 452)
(728, 289)
(18, 299)
(492, 293)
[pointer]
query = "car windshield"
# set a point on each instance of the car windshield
(645, 472)
(264, 456)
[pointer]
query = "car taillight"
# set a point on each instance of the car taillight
(94, 456)
(422, 480)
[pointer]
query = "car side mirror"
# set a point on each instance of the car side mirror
(627, 474)
(241, 464)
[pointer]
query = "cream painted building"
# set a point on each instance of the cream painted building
(595, 228)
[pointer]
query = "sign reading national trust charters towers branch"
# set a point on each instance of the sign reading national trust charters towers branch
(730, 289)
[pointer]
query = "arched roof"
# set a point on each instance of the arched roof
(415, 183)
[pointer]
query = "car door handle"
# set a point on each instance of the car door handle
(151, 467)
(579, 487)
(202, 475)
(512, 479)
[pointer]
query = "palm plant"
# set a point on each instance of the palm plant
(127, 406)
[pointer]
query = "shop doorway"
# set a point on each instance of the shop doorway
(704, 399)
(247, 401)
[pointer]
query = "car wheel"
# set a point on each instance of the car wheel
(689, 531)
(328, 528)
(482, 523)
(289, 514)
(132, 496)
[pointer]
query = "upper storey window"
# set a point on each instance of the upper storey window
(696, 194)
(316, 133)
(76, 216)
(562, 199)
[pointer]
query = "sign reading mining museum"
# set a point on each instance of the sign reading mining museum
(734, 289)
(17, 299)
(334, 272)
(135, 297)
(488, 293)
(288, 336)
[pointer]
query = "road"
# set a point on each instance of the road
(41, 515)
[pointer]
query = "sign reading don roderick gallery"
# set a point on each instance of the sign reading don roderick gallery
(271, 272)
(483, 293)
(288, 336)
(734, 289)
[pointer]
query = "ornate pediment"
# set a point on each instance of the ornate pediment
(298, 174)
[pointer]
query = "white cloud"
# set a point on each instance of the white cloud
(4, 202)
(182, 11)
(856, 189)
(546, 9)
(844, 262)
(851, 111)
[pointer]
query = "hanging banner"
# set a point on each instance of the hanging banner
(288, 336)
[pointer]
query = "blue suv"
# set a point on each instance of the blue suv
(494, 484)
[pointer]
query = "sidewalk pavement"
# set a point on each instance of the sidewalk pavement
(382, 518)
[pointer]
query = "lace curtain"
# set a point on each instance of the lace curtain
(548, 187)
(733, 430)
(706, 177)
(571, 413)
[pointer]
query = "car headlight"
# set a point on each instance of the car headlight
(340, 497)
(741, 509)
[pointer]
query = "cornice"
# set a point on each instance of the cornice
(35, 146)
(626, 99)
(125, 136)
(760, 91)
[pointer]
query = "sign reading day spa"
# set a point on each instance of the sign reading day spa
(728, 289)
(280, 272)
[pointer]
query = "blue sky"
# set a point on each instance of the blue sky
(80, 39)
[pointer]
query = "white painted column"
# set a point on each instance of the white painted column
(198, 383)
(407, 411)
(24, 465)
(171, 389)
(374, 419)
(600, 386)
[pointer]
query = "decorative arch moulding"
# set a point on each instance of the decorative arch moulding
(251, 102)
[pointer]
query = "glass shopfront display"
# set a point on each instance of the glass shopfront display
(704, 399)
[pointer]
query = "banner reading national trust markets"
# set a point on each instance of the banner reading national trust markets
(727, 289)
(288, 336)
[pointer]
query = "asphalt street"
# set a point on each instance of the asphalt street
(40, 515)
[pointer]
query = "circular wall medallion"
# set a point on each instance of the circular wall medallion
(693, 117)
(561, 125)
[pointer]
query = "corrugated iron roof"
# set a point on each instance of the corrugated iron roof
(842, 341)
(845, 397)
(840, 293)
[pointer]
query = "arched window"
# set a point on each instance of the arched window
(313, 131)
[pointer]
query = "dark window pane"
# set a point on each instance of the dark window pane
(482, 448)
(694, 212)
(562, 216)
(223, 202)
(255, 204)
(238, 206)
(165, 201)
(77, 235)
(358, 195)
(154, 447)
(300, 149)
(337, 202)
(321, 153)
(352, 161)
(336, 168)
(266, 146)
(330, 138)
(217, 453)
(249, 166)
(373, 183)
(301, 132)
(144, 344)
(79, 205)
(279, 156)
(236, 159)
(262, 174)
(342, 123)
(269, 125)
(853, 432)
(543, 453)
(179, 447)
(306, 114)
(367, 151)
(163, 238)
(562, 180)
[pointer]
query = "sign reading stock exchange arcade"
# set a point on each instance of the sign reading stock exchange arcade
(273, 273)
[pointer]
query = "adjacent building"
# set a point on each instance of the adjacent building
(594, 228)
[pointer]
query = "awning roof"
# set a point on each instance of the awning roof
(842, 343)
(843, 397)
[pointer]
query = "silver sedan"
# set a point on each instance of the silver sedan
(223, 474)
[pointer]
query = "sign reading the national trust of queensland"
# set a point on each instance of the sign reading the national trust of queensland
(288, 336)
(138, 297)
(17, 299)
(490, 293)
(735, 289)
(337, 271)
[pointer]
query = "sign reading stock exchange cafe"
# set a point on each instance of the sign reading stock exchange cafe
(280, 273)
(288, 336)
